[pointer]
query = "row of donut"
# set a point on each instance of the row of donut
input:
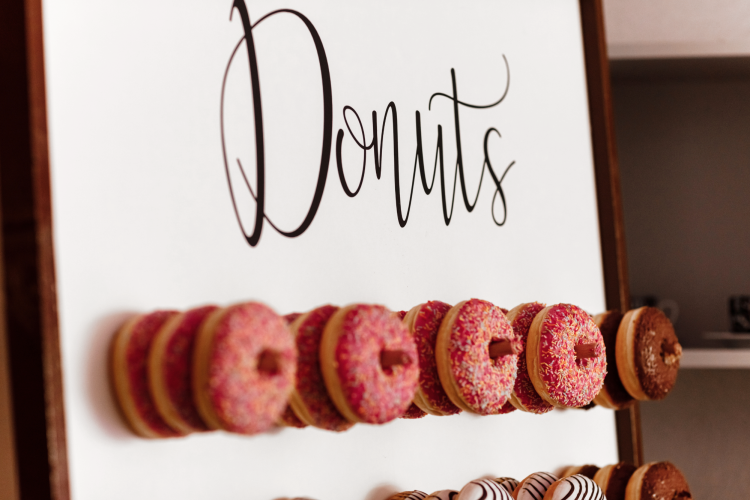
(622, 481)
(245, 369)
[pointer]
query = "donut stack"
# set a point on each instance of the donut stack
(245, 369)
(621, 481)
(613, 482)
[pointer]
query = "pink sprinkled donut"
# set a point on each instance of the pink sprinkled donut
(310, 399)
(288, 418)
(472, 379)
(565, 355)
(413, 412)
(170, 366)
(524, 395)
(244, 368)
(423, 322)
(356, 342)
(129, 371)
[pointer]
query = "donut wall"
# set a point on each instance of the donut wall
(300, 153)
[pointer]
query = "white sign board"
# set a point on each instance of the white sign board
(175, 179)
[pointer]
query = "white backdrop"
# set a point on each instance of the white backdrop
(144, 220)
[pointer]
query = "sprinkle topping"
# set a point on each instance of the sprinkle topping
(524, 388)
(245, 399)
(484, 384)
(310, 384)
(374, 394)
(569, 381)
(426, 327)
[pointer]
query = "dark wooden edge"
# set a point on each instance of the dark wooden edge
(28, 289)
(611, 224)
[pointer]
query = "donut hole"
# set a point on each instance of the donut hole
(269, 362)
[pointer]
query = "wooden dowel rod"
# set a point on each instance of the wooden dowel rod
(585, 351)
(393, 358)
(500, 348)
(268, 362)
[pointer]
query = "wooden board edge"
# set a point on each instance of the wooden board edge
(29, 287)
(611, 222)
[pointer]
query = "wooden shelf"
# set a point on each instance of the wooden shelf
(715, 358)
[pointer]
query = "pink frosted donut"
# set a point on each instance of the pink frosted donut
(310, 399)
(565, 355)
(288, 418)
(524, 395)
(423, 322)
(244, 368)
(413, 412)
(129, 370)
(473, 381)
(170, 367)
(356, 343)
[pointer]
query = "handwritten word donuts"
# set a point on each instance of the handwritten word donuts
(565, 353)
(369, 362)
(474, 379)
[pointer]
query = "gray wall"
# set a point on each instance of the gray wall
(684, 148)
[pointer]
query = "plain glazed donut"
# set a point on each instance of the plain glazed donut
(561, 339)
(648, 354)
(524, 396)
(356, 344)
(472, 379)
(244, 368)
(424, 322)
(170, 365)
(129, 371)
(309, 398)
(613, 394)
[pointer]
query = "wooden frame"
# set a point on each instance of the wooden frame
(29, 306)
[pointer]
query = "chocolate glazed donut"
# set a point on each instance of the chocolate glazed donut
(648, 354)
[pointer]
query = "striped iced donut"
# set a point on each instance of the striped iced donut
(508, 483)
(534, 486)
(483, 489)
(575, 487)
(409, 495)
